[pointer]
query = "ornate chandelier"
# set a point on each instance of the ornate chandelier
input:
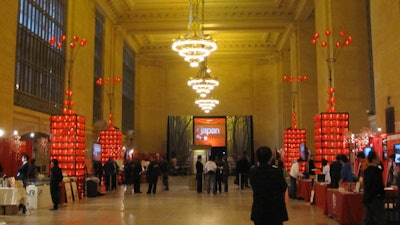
(194, 46)
(203, 83)
(206, 104)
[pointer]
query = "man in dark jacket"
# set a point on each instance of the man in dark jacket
(374, 192)
(269, 187)
(153, 172)
(137, 171)
(335, 169)
(56, 178)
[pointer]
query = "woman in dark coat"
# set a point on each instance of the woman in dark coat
(56, 178)
(269, 189)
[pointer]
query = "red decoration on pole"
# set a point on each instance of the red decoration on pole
(332, 50)
(294, 91)
(68, 93)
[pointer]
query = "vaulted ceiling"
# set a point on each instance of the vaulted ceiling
(241, 28)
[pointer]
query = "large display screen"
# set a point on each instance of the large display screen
(96, 152)
(210, 131)
(397, 153)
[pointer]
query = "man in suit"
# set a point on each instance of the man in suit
(22, 171)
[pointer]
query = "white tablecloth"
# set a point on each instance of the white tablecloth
(12, 196)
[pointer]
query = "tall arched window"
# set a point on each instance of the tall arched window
(39, 70)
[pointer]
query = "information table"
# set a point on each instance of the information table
(344, 206)
(303, 189)
(320, 196)
(39, 196)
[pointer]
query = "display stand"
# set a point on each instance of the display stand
(330, 131)
(68, 146)
(293, 141)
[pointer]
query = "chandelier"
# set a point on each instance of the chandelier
(206, 104)
(194, 46)
(203, 83)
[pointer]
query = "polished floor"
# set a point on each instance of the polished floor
(178, 206)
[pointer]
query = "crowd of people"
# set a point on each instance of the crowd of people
(267, 178)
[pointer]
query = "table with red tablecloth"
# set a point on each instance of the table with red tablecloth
(344, 206)
(320, 196)
(303, 190)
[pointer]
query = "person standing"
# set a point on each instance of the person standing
(128, 174)
(346, 174)
(22, 171)
(211, 169)
(269, 187)
(325, 170)
(374, 192)
(164, 167)
(32, 171)
(110, 170)
(218, 176)
(56, 178)
(242, 169)
(225, 172)
(199, 174)
(334, 171)
(293, 176)
(153, 172)
(22, 175)
(137, 171)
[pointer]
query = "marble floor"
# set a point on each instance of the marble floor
(179, 206)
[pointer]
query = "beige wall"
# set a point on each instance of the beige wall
(8, 23)
(386, 47)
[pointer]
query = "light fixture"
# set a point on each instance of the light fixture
(206, 104)
(194, 46)
(203, 83)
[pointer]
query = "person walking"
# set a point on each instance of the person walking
(269, 187)
(56, 178)
(374, 192)
(210, 170)
(199, 174)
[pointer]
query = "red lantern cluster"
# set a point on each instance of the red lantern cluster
(68, 146)
(63, 38)
(343, 40)
(111, 144)
(108, 81)
(330, 136)
(331, 100)
(292, 139)
(298, 78)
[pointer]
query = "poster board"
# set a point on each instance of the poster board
(75, 191)
(68, 192)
